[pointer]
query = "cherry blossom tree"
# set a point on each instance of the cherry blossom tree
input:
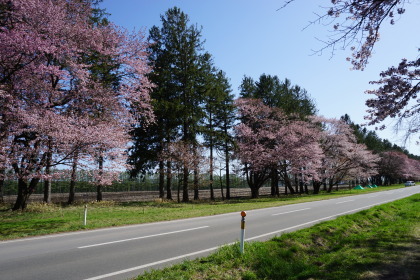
(344, 158)
(268, 139)
(57, 101)
(414, 169)
(356, 25)
(396, 97)
(396, 167)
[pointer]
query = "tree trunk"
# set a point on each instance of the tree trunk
(99, 186)
(330, 185)
(47, 182)
(287, 183)
(185, 196)
(161, 179)
(196, 172)
(99, 193)
(274, 182)
(211, 170)
(24, 192)
(255, 192)
(221, 185)
(196, 192)
(2, 179)
(168, 180)
(47, 191)
(301, 187)
(317, 186)
(227, 161)
(255, 180)
(71, 191)
(179, 186)
(73, 179)
(21, 195)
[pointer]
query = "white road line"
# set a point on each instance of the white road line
(141, 237)
(215, 248)
(290, 212)
(344, 201)
(156, 263)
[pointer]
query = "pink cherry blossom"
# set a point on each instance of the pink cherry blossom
(52, 103)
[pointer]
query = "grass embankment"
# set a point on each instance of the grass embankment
(379, 243)
(40, 219)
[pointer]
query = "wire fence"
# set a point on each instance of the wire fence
(142, 188)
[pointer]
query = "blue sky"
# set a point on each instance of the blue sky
(249, 37)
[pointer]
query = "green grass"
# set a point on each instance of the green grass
(380, 243)
(40, 219)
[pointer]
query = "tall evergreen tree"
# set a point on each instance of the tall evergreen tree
(219, 112)
(180, 68)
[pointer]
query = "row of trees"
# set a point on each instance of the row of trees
(276, 134)
(75, 90)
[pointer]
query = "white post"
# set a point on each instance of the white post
(84, 223)
(243, 214)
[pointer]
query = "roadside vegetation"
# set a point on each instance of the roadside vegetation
(380, 243)
(42, 218)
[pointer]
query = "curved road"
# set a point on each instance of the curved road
(124, 252)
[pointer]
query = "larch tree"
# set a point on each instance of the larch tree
(53, 98)
(217, 123)
(180, 70)
(225, 119)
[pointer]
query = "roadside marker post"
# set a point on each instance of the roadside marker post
(243, 215)
(85, 219)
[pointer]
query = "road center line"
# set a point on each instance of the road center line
(344, 201)
(141, 237)
(290, 212)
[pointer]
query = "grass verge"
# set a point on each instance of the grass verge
(380, 243)
(41, 219)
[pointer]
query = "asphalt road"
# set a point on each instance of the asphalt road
(124, 252)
